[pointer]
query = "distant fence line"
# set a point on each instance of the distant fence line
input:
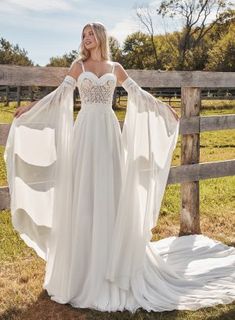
(191, 83)
(31, 93)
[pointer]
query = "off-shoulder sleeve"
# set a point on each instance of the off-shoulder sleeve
(38, 162)
(149, 135)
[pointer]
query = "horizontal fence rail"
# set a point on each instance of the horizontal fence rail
(53, 76)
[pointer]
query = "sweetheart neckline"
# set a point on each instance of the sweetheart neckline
(98, 78)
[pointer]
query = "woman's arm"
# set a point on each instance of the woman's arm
(122, 75)
(23, 109)
(75, 70)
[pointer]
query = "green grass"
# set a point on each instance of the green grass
(217, 210)
(3, 178)
(22, 272)
(12, 247)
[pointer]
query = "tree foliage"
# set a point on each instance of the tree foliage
(64, 61)
(12, 54)
(138, 51)
(221, 56)
(198, 18)
(115, 49)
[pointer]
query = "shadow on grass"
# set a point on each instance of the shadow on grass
(46, 309)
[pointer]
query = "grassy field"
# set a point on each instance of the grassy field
(21, 271)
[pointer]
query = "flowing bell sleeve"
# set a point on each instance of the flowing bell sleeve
(38, 162)
(149, 135)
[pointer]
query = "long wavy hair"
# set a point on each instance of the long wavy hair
(101, 36)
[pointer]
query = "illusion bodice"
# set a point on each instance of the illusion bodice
(95, 90)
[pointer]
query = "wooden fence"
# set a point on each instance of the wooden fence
(190, 172)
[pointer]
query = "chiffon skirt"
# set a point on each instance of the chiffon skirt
(181, 273)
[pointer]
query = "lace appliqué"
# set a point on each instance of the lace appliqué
(91, 92)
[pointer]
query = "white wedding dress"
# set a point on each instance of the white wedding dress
(85, 196)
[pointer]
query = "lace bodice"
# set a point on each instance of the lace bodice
(96, 90)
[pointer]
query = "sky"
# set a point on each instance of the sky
(50, 28)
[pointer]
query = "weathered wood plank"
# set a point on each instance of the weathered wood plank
(190, 152)
(178, 174)
(4, 131)
(213, 123)
(4, 198)
(189, 125)
(195, 124)
(201, 171)
(31, 76)
(53, 76)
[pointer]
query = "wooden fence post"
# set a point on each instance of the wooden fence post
(31, 94)
(18, 95)
(114, 101)
(190, 154)
(7, 96)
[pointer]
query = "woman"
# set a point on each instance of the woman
(85, 196)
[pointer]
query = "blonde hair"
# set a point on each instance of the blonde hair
(102, 40)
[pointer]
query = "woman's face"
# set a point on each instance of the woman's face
(89, 38)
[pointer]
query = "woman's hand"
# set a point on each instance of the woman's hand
(20, 110)
(174, 112)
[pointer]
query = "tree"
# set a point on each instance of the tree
(221, 28)
(12, 54)
(64, 61)
(222, 54)
(195, 15)
(168, 53)
(115, 49)
(146, 19)
(138, 51)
